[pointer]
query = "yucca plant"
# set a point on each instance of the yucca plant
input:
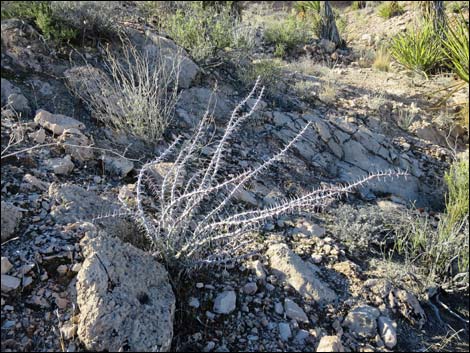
(455, 46)
(418, 49)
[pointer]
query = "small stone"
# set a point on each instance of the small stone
(210, 315)
(5, 265)
(250, 288)
(38, 136)
(9, 283)
(61, 302)
(225, 302)
(284, 331)
(76, 267)
(301, 336)
(278, 308)
(317, 258)
(62, 269)
(294, 312)
(362, 321)
(388, 331)
(26, 281)
(117, 166)
(330, 344)
(199, 285)
(60, 166)
(194, 302)
(209, 347)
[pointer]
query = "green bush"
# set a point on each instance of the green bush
(41, 13)
(268, 70)
(389, 9)
(418, 49)
(287, 34)
(205, 31)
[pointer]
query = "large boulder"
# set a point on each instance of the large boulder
(301, 275)
(125, 298)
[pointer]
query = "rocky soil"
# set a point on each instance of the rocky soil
(74, 280)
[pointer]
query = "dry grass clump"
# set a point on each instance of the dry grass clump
(382, 60)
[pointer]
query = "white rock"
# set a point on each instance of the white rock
(330, 344)
(299, 274)
(388, 331)
(225, 302)
(124, 295)
(362, 321)
(294, 312)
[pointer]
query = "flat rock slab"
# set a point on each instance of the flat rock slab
(125, 298)
(299, 274)
(57, 123)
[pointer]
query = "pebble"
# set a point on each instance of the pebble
(225, 302)
(194, 302)
(250, 288)
(294, 312)
(284, 331)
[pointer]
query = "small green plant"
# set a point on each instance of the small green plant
(268, 70)
(418, 49)
(205, 31)
(389, 9)
(287, 34)
(42, 14)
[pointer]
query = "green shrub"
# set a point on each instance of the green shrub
(268, 70)
(41, 13)
(205, 31)
(389, 9)
(418, 49)
(287, 34)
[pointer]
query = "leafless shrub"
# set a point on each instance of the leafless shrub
(184, 206)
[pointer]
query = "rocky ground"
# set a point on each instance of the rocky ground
(73, 282)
